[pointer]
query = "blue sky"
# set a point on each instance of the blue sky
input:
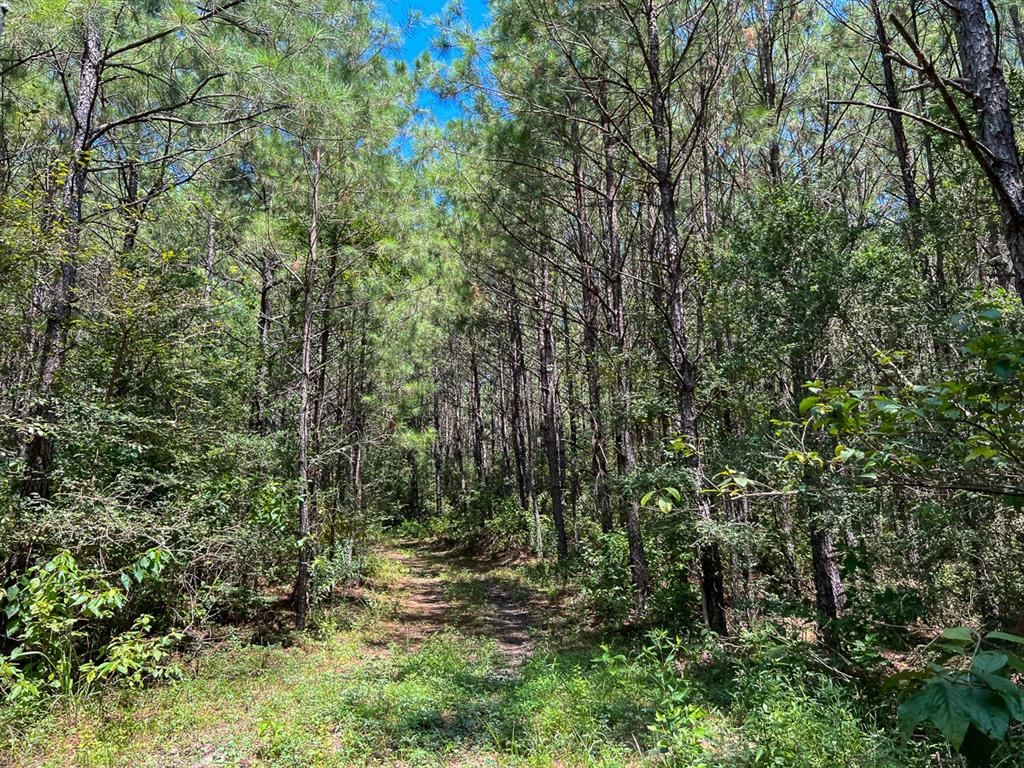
(417, 39)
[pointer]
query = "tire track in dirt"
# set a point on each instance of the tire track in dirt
(477, 604)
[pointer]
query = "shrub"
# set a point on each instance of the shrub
(606, 585)
(62, 623)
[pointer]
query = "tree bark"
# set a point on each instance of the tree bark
(598, 457)
(551, 425)
(829, 595)
(437, 451)
(1018, 32)
(268, 267)
(1000, 158)
(899, 134)
(479, 459)
(828, 586)
(519, 442)
(680, 359)
(769, 88)
(61, 295)
(415, 506)
(625, 451)
(302, 596)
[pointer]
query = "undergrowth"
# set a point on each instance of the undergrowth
(344, 697)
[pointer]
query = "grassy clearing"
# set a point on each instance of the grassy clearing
(348, 698)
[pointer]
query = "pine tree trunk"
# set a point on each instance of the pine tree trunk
(60, 297)
(415, 507)
(598, 457)
(551, 426)
(679, 354)
(479, 461)
(982, 69)
(899, 134)
(438, 453)
(829, 597)
(572, 449)
(519, 444)
(263, 324)
(625, 451)
(302, 596)
(1018, 32)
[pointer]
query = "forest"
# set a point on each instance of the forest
(511, 383)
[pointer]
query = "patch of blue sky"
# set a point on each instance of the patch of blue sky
(414, 21)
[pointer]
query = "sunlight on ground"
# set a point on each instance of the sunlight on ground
(440, 663)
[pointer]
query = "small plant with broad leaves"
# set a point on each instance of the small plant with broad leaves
(665, 498)
(969, 691)
(52, 616)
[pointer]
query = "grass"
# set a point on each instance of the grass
(342, 698)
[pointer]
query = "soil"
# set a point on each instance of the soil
(479, 604)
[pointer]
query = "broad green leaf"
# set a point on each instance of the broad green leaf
(1007, 637)
(987, 711)
(1015, 662)
(807, 403)
(988, 662)
(1010, 694)
(940, 702)
(958, 634)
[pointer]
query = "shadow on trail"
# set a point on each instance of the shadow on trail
(474, 676)
(448, 590)
(452, 695)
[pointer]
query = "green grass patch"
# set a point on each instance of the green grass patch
(340, 698)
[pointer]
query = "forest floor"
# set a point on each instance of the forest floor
(439, 660)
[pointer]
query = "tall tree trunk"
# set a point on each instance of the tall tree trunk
(131, 207)
(828, 586)
(457, 437)
(1018, 32)
(679, 354)
(551, 426)
(302, 596)
(322, 355)
(625, 451)
(598, 457)
(437, 450)
(268, 267)
(501, 429)
(997, 153)
(829, 594)
(769, 87)
(519, 439)
(415, 506)
(899, 134)
(572, 406)
(359, 415)
(61, 295)
(479, 459)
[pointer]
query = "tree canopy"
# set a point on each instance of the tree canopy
(710, 307)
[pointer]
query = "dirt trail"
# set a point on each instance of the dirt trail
(254, 705)
(444, 590)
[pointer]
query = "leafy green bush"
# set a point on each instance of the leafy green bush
(606, 585)
(509, 527)
(62, 622)
(331, 570)
(968, 692)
